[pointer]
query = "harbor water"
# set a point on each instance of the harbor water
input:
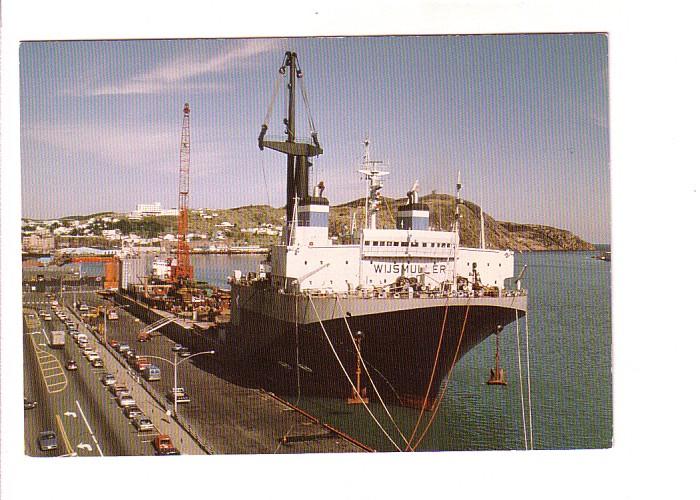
(568, 332)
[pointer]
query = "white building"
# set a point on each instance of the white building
(111, 234)
(146, 209)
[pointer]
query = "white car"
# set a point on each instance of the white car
(88, 351)
(126, 399)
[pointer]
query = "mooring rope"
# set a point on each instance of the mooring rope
(527, 361)
(328, 339)
(376, 391)
(432, 375)
(296, 335)
(447, 380)
(520, 378)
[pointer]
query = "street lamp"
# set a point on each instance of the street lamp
(174, 365)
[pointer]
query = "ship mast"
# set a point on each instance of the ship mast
(298, 153)
(374, 184)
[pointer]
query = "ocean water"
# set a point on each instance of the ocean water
(569, 329)
(569, 336)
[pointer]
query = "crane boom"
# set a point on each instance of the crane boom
(183, 268)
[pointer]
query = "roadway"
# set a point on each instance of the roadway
(74, 404)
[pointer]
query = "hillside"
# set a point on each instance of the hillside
(499, 234)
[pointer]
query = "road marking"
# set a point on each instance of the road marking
(89, 428)
(62, 430)
(48, 367)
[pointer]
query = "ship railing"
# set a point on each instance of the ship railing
(404, 294)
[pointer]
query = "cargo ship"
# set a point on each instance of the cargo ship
(389, 313)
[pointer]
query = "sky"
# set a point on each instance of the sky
(525, 118)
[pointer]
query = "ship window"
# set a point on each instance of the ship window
(346, 262)
(414, 243)
(396, 243)
(375, 243)
(305, 263)
(432, 244)
(382, 243)
(499, 264)
(404, 243)
(488, 264)
(366, 242)
(425, 244)
(321, 262)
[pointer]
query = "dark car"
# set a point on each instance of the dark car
(182, 396)
(132, 411)
(48, 440)
(71, 365)
(29, 404)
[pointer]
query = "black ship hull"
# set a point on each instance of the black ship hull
(301, 355)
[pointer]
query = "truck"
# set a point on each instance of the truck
(57, 339)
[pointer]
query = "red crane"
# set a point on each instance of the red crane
(182, 270)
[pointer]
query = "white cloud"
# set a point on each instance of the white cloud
(172, 74)
(124, 146)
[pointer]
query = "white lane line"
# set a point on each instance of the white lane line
(89, 428)
(44, 332)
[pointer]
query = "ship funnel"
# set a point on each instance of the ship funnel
(413, 215)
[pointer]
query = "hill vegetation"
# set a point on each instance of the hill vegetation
(499, 234)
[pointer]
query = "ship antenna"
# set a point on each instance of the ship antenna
(483, 234)
(374, 185)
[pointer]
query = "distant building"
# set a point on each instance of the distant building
(38, 243)
(146, 209)
(152, 210)
(111, 234)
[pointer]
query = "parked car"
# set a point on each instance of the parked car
(29, 404)
(123, 348)
(182, 396)
(184, 353)
(108, 379)
(132, 411)
(71, 365)
(98, 363)
(177, 347)
(115, 388)
(47, 440)
(114, 343)
(126, 399)
(164, 445)
(142, 423)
